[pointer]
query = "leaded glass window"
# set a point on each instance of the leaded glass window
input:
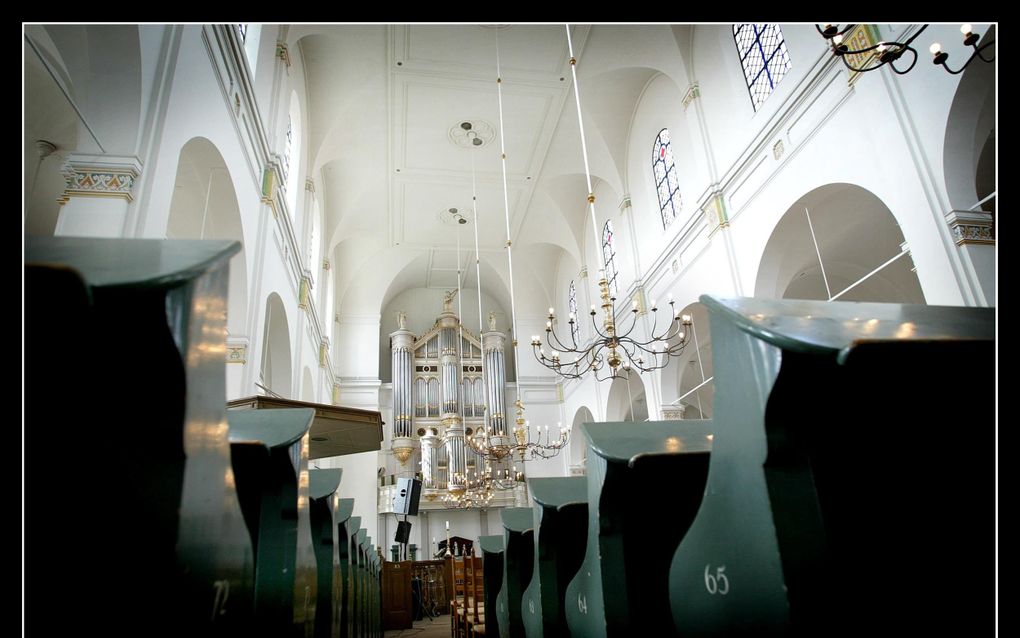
(666, 183)
(764, 57)
(572, 308)
(608, 253)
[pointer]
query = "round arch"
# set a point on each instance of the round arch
(969, 149)
(578, 442)
(856, 233)
(691, 369)
(307, 386)
(276, 374)
(204, 206)
(626, 400)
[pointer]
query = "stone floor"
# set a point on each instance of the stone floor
(438, 628)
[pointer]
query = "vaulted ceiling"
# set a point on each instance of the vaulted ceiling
(391, 155)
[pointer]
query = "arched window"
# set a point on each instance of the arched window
(288, 147)
(250, 36)
(764, 57)
(608, 253)
(572, 308)
(665, 178)
(292, 151)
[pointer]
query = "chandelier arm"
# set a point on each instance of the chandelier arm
(633, 324)
(654, 339)
(642, 346)
(562, 347)
(570, 363)
(977, 53)
(601, 335)
(669, 331)
(862, 70)
(892, 64)
(978, 50)
(655, 322)
(590, 362)
(845, 29)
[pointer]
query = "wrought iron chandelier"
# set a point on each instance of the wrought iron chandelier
(479, 488)
(523, 445)
(610, 347)
(861, 58)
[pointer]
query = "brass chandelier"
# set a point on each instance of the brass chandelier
(610, 346)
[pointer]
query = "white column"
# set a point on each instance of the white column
(974, 234)
(95, 201)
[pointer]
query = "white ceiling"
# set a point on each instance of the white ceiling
(384, 105)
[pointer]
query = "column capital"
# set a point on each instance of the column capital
(324, 352)
(282, 52)
(100, 176)
(693, 92)
(237, 349)
(971, 226)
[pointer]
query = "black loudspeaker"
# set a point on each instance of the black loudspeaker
(403, 532)
(408, 494)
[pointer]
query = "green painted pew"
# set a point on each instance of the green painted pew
(139, 431)
(323, 490)
(518, 568)
(354, 599)
(362, 577)
(492, 568)
(851, 483)
(269, 450)
(645, 484)
(561, 516)
(343, 523)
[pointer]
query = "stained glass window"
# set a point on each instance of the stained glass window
(608, 253)
(764, 57)
(288, 147)
(665, 178)
(572, 308)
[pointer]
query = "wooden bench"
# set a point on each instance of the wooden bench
(561, 514)
(324, 493)
(269, 453)
(851, 483)
(138, 432)
(645, 484)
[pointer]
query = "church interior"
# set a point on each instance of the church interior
(509, 330)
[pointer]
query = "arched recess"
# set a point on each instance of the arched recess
(578, 441)
(626, 401)
(51, 131)
(969, 150)
(417, 290)
(683, 374)
(856, 233)
(307, 386)
(68, 67)
(204, 206)
(275, 374)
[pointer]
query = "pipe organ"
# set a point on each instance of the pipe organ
(447, 385)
